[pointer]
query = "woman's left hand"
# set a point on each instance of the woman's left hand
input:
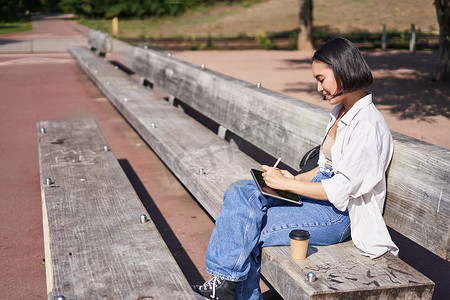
(274, 178)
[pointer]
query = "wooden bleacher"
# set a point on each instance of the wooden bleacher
(417, 205)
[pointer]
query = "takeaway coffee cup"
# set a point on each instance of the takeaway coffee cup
(299, 243)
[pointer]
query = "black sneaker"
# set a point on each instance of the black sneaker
(216, 288)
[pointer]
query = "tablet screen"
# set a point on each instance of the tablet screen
(268, 191)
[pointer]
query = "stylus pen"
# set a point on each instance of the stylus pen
(276, 164)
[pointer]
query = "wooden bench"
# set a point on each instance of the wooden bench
(207, 163)
(100, 42)
(95, 243)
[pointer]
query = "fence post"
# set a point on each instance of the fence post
(412, 42)
(115, 25)
(383, 38)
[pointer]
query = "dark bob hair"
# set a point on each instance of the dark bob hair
(349, 67)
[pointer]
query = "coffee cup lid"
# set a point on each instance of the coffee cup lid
(299, 234)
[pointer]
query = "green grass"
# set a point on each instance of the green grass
(280, 17)
(15, 27)
(168, 26)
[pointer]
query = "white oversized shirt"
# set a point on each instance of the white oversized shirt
(360, 158)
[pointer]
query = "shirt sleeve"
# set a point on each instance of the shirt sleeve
(359, 169)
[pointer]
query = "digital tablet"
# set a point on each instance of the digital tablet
(267, 191)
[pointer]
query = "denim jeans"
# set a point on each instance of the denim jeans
(249, 221)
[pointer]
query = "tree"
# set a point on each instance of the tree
(443, 16)
(49, 5)
(304, 41)
(9, 11)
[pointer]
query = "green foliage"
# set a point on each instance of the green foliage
(293, 39)
(49, 5)
(12, 27)
(133, 8)
(11, 10)
(264, 41)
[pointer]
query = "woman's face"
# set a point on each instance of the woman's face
(326, 82)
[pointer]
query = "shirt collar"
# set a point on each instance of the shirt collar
(360, 104)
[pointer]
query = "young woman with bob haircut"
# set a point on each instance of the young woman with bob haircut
(344, 195)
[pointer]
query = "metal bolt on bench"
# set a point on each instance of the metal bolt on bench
(143, 218)
(311, 277)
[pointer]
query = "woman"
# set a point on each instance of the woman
(344, 194)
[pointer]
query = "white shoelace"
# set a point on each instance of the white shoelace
(211, 284)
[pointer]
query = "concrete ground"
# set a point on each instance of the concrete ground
(46, 84)
(40, 81)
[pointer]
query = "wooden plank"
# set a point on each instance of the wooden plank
(347, 277)
(418, 201)
(183, 144)
(255, 114)
(286, 127)
(100, 41)
(95, 245)
(185, 148)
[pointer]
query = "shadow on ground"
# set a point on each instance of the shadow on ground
(9, 41)
(182, 258)
(403, 83)
(429, 264)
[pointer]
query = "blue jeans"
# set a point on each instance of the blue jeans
(249, 221)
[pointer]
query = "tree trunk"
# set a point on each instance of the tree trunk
(304, 41)
(443, 16)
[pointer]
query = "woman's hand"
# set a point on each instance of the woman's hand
(275, 178)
